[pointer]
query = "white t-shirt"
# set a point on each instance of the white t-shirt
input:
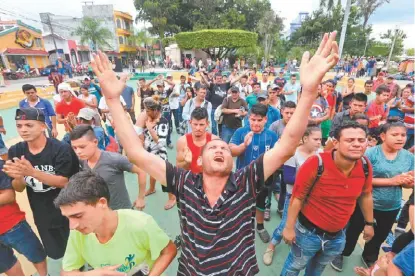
(88, 100)
(174, 99)
(244, 90)
(103, 106)
(264, 85)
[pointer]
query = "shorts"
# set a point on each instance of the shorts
(325, 128)
(23, 240)
(54, 240)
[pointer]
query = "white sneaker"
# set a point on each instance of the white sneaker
(268, 255)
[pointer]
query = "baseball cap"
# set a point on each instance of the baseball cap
(391, 77)
(235, 88)
(87, 79)
(168, 75)
(275, 86)
(86, 113)
(30, 114)
(160, 83)
(262, 95)
(64, 86)
(281, 71)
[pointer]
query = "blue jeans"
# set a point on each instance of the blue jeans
(167, 115)
(176, 115)
(23, 240)
(227, 133)
(214, 123)
(277, 235)
(180, 113)
(312, 252)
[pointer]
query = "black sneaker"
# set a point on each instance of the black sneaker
(279, 213)
(267, 214)
(264, 235)
(337, 263)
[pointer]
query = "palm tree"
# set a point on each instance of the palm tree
(90, 30)
(142, 38)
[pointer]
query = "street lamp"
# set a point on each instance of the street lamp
(392, 46)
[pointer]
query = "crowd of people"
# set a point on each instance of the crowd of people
(336, 162)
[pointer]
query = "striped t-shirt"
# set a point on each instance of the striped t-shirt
(218, 240)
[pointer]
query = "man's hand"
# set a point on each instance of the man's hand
(313, 70)
(19, 167)
(3, 130)
(111, 86)
(140, 204)
(106, 271)
(248, 138)
(402, 179)
(150, 124)
(54, 133)
(368, 233)
(288, 235)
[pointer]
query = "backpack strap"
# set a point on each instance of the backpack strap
(365, 166)
(320, 170)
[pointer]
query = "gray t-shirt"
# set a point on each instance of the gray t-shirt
(111, 167)
(278, 127)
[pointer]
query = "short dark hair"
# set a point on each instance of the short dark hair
(142, 79)
(361, 116)
(182, 76)
(331, 81)
(293, 75)
(289, 105)
(256, 84)
(348, 124)
(369, 82)
(310, 129)
(84, 87)
(381, 89)
(27, 87)
(82, 130)
(218, 74)
(360, 97)
(259, 109)
(85, 186)
(199, 113)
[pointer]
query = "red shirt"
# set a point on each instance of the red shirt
(333, 198)
(74, 106)
(196, 152)
(374, 110)
(10, 216)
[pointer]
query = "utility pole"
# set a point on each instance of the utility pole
(49, 23)
(393, 46)
(344, 26)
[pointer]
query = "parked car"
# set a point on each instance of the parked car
(402, 76)
(46, 71)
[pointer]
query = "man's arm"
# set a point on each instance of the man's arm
(60, 118)
(366, 206)
(7, 196)
(180, 154)
(112, 89)
(312, 72)
(238, 78)
(164, 260)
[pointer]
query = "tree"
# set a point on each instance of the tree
(410, 52)
(400, 37)
(216, 43)
(268, 26)
(90, 30)
(141, 38)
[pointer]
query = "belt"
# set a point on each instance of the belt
(313, 228)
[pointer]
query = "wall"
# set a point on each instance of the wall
(9, 40)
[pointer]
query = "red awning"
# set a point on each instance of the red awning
(113, 53)
(25, 52)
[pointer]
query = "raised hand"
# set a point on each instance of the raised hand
(248, 138)
(111, 86)
(313, 70)
(187, 155)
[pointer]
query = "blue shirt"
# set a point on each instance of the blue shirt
(259, 145)
(388, 198)
(44, 105)
(405, 260)
(273, 115)
(292, 87)
(127, 94)
(103, 139)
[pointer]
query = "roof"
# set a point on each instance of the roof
(21, 51)
(8, 31)
(83, 48)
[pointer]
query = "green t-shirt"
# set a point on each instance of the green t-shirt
(251, 100)
(138, 239)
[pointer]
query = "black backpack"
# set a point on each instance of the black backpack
(320, 170)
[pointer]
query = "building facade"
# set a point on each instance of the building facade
(21, 44)
(296, 23)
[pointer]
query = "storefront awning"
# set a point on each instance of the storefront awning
(24, 52)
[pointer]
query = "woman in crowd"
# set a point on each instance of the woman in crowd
(91, 102)
(348, 93)
(310, 145)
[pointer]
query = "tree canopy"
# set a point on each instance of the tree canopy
(216, 42)
(90, 30)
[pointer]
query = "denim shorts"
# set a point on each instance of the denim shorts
(23, 240)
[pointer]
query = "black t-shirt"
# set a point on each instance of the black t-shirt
(164, 99)
(57, 158)
(280, 81)
(217, 93)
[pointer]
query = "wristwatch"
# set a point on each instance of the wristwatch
(373, 224)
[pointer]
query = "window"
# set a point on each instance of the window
(118, 23)
(38, 42)
(120, 40)
(127, 26)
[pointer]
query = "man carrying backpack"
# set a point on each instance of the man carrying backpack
(323, 200)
